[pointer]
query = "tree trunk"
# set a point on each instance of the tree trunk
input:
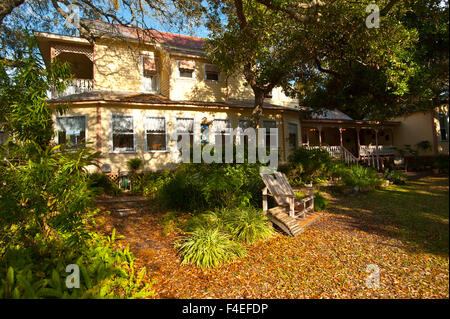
(258, 107)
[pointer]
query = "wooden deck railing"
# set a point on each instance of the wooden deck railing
(76, 86)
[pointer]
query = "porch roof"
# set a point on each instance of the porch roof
(136, 98)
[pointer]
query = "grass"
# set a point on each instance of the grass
(401, 229)
(416, 213)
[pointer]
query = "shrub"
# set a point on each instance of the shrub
(361, 177)
(208, 247)
(245, 224)
(441, 161)
(395, 176)
(100, 184)
(306, 165)
(134, 164)
(320, 202)
(105, 272)
(207, 186)
(149, 184)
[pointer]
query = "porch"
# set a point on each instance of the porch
(366, 142)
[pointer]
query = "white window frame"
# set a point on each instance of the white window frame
(296, 124)
(165, 130)
(214, 132)
(193, 127)
(208, 80)
(277, 126)
(111, 133)
(194, 72)
(68, 116)
(155, 77)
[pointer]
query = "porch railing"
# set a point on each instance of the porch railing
(76, 86)
(383, 150)
(334, 151)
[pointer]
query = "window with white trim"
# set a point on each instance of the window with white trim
(268, 124)
(443, 126)
(186, 69)
(293, 135)
(149, 75)
(185, 126)
(221, 129)
(211, 72)
(123, 133)
(243, 124)
(71, 130)
(155, 134)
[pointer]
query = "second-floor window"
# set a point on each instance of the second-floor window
(123, 137)
(149, 77)
(71, 130)
(211, 72)
(186, 69)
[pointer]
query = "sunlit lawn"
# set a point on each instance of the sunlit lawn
(403, 230)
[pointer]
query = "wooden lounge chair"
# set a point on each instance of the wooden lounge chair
(278, 187)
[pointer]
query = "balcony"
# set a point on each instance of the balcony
(76, 86)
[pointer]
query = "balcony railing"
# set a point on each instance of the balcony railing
(76, 86)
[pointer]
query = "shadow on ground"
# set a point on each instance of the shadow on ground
(416, 213)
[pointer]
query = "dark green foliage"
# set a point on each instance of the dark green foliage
(441, 162)
(149, 183)
(134, 164)
(320, 203)
(100, 184)
(361, 177)
(206, 186)
(105, 272)
(395, 176)
(308, 165)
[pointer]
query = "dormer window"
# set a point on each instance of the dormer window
(186, 69)
(149, 77)
(211, 72)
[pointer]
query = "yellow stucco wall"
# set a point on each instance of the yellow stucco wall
(415, 128)
(117, 67)
(163, 159)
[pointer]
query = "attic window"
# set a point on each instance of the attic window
(186, 68)
(211, 72)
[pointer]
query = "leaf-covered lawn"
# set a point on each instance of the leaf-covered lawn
(401, 229)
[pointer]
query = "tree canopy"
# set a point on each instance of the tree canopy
(323, 52)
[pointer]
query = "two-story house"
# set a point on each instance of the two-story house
(132, 91)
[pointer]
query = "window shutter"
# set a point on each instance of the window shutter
(150, 65)
(186, 65)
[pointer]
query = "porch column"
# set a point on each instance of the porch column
(376, 143)
(341, 143)
(358, 141)
(319, 128)
(307, 136)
